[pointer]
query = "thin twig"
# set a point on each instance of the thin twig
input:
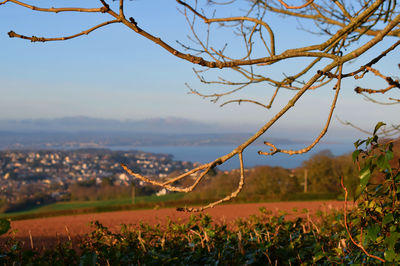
(245, 101)
(295, 7)
(31, 239)
(322, 133)
(359, 245)
(12, 34)
(56, 10)
(227, 198)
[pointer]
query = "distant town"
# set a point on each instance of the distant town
(34, 174)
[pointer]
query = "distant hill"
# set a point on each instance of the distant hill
(55, 140)
(90, 124)
(88, 132)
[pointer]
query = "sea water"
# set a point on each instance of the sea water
(251, 158)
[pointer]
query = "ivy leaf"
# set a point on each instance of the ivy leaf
(382, 162)
(318, 256)
(358, 143)
(390, 255)
(379, 125)
(392, 240)
(355, 155)
(372, 140)
(88, 259)
(396, 178)
(387, 219)
(373, 232)
(357, 193)
(365, 175)
(4, 226)
(389, 155)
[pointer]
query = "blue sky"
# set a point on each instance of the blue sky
(114, 73)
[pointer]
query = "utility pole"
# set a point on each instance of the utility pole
(305, 180)
(133, 194)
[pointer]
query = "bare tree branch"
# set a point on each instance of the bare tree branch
(387, 131)
(349, 31)
(295, 7)
(244, 100)
(322, 133)
(12, 34)
(57, 10)
(227, 198)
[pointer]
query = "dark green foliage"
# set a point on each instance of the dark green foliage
(87, 191)
(375, 223)
(324, 172)
(261, 239)
(311, 196)
(263, 183)
(29, 203)
(266, 183)
(4, 226)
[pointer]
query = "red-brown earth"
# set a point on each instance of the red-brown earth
(49, 231)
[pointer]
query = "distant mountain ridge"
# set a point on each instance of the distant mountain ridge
(88, 132)
(89, 124)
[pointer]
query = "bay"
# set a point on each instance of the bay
(205, 154)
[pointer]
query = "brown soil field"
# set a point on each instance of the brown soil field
(46, 232)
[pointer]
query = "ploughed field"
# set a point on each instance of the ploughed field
(45, 232)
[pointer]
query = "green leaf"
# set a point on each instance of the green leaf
(355, 155)
(339, 251)
(358, 192)
(359, 142)
(392, 240)
(373, 232)
(382, 162)
(387, 219)
(88, 259)
(4, 226)
(390, 255)
(397, 178)
(389, 155)
(365, 175)
(318, 256)
(370, 140)
(379, 125)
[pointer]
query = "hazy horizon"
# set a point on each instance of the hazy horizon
(169, 125)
